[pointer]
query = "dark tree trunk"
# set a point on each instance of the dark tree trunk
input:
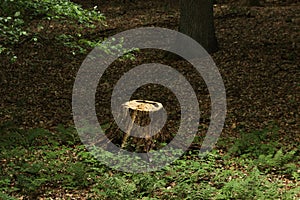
(196, 21)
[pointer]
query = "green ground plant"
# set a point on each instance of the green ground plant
(46, 161)
(22, 21)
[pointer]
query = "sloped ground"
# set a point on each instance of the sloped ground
(258, 60)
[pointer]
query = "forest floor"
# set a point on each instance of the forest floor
(258, 59)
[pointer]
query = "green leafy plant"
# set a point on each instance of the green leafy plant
(6, 197)
(279, 160)
(255, 143)
(252, 186)
(17, 15)
(31, 170)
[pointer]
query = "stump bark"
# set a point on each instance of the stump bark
(139, 112)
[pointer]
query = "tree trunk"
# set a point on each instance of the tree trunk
(196, 21)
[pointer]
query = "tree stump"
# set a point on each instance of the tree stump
(139, 112)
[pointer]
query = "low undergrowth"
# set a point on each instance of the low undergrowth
(40, 164)
(33, 21)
